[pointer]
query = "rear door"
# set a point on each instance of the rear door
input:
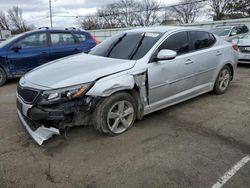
(28, 53)
(62, 44)
(84, 40)
(205, 56)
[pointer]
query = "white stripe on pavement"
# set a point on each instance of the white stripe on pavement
(230, 173)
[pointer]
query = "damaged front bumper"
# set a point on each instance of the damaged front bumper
(41, 133)
(42, 122)
(38, 132)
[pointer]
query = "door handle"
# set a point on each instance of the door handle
(218, 53)
(77, 50)
(189, 61)
(44, 53)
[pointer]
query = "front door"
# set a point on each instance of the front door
(28, 53)
(169, 78)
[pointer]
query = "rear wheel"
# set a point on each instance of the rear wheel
(115, 114)
(223, 80)
(3, 77)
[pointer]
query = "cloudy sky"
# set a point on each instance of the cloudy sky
(36, 12)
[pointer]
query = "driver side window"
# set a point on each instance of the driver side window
(178, 42)
(38, 40)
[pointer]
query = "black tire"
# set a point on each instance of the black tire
(3, 77)
(101, 119)
(218, 89)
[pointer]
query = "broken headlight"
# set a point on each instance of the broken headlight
(63, 94)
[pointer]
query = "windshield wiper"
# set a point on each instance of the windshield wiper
(137, 47)
(114, 45)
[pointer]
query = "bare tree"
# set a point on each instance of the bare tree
(126, 13)
(219, 9)
(238, 8)
(187, 11)
(4, 22)
(16, 19)
(90, 22)
(109, 14)
(148, 12)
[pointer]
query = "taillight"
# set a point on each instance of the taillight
(235, 47)
(95, 39)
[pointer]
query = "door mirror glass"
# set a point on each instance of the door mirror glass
(166, 55)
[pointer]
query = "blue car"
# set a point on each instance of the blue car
(26, 51)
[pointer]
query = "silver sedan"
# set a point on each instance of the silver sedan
(243, 48)
(123, 79)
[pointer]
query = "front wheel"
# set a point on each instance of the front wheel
(223, 80)
(115, 114)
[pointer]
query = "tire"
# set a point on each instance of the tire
(115, 114)
(3, 77)
(223, 80)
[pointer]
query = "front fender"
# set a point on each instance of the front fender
(107, 86)
(4, 65)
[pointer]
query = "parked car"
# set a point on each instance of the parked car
(122, 79)
(243, 44)
(26, 51)
(230, 32)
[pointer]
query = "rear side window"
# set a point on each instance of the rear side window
(38, 40)
(60, 39)
(81, 37)
(242, 29)
(178, 42)
(245, 29)
(212, 38)
(201, 40)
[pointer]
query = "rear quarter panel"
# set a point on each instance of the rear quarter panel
(229, 56)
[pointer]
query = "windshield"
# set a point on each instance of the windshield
(127, 45)
(247, 36)
(2, 44)
(221, 31)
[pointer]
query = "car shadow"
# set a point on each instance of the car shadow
(12, 81)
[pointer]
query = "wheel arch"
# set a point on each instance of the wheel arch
(135, 93)
(231, 69)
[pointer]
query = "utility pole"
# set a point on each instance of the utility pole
(50, 14)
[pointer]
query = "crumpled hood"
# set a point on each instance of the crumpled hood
(77, 69)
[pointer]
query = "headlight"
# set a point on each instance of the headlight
(63, 94)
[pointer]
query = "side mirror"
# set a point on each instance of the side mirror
(16, 48)
(166, 55)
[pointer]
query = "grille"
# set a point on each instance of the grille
(244, 50)
(28, 95)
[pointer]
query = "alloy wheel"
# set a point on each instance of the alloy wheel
(224, 79)
(120, 116)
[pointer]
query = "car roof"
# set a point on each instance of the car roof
(164, 29)
(55, 30)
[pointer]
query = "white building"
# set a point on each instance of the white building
(5, 34)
